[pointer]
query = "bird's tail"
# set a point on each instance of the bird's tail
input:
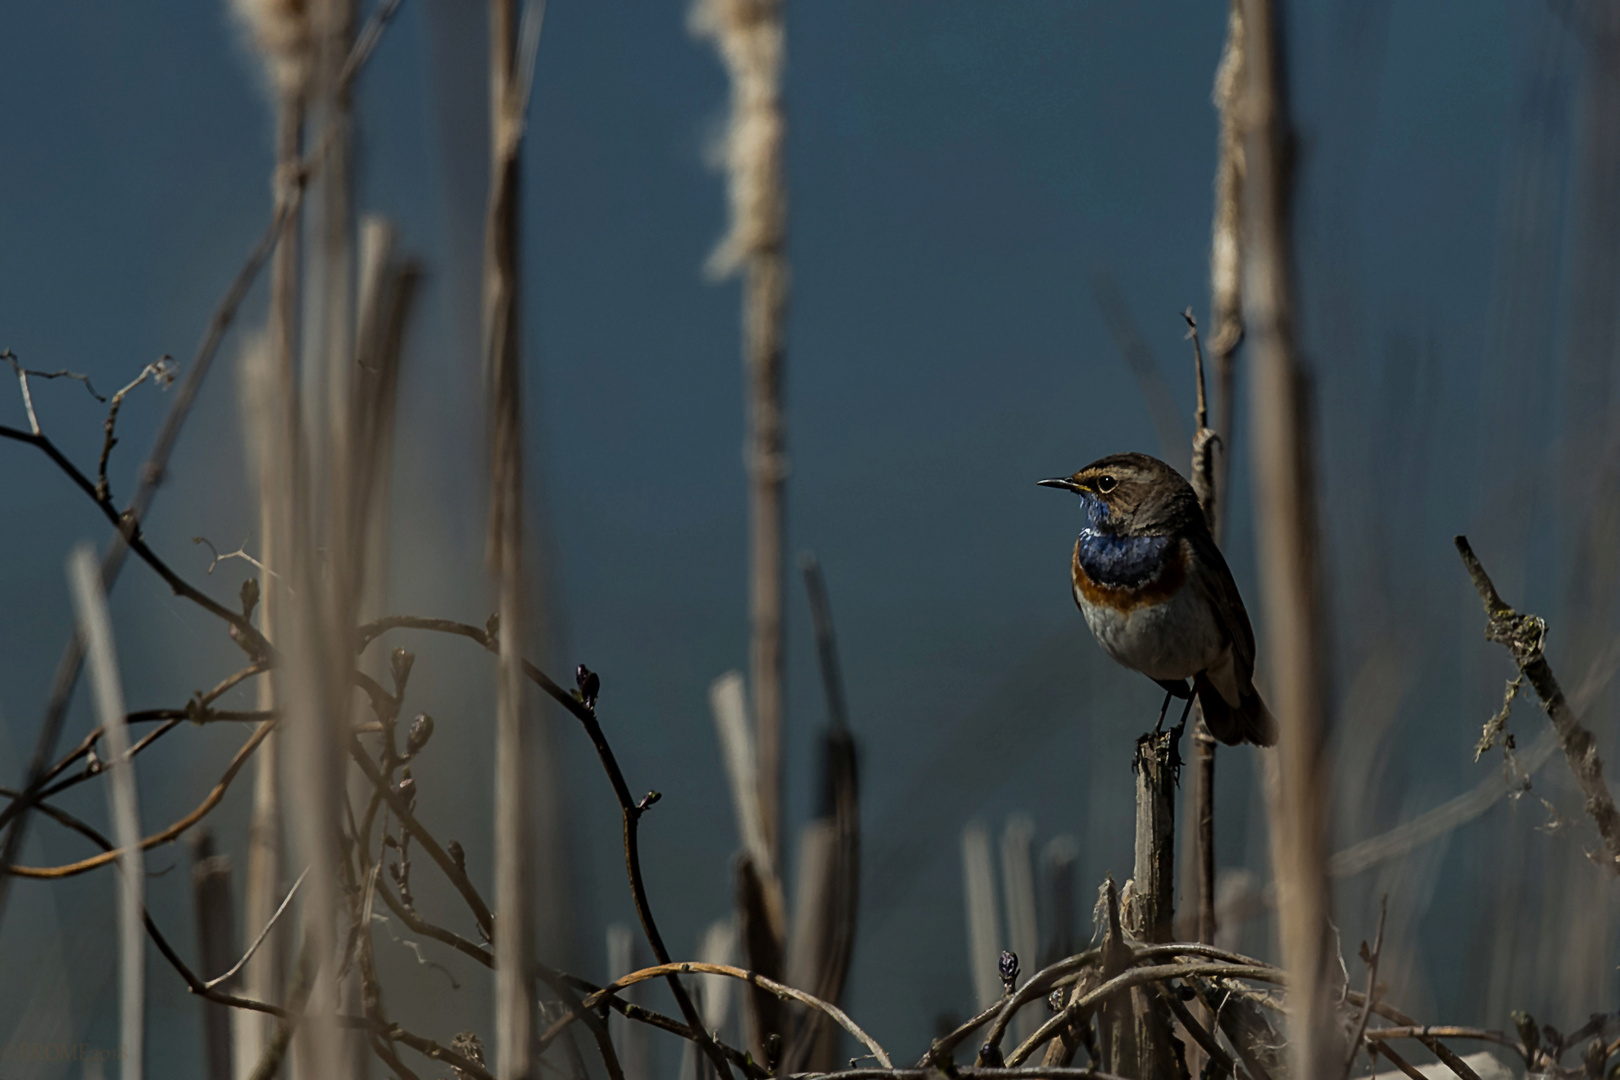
(1249, 721)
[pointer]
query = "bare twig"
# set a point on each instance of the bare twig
(630, 809)
(239, 553)
(218, 979)
(28, 398)
(1372, 984)
(161, 371)
(1524, 635)
(1201, 1035)
(787, 993)
(165, 836)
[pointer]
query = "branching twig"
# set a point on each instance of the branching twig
(1371, 960)
(161, 371)
(167, 835)
(787, 993)
(630, 809)
(28, 398)
(1524, 636)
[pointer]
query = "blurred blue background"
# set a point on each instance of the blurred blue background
(961, 176)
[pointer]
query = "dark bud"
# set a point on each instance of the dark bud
(1009, 970)
(492, 628)
(400, 662)
(421, 732)
(92, 762)
(250, 597)
(990, 1057)
(590, 685)
(649, 799)
(407, 789)
(1054, 1001)
(773, 1051)
(467, 1044)
(457, 855)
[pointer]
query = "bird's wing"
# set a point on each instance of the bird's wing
(1221, 592)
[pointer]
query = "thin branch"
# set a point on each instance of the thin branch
(1401, 1063)
(787, 993)
(218, 979)
(28, 398)
(455, 873)
(630, 809)
(152, 473)
(160, 371)
(1372, 985)
(366, 42)
(1524, 636)
(167, 835)
(1201, 1035)
(127, 523)
(1136, 977)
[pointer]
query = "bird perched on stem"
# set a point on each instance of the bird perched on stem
(1158, 596)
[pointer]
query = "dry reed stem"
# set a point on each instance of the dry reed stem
(1286, 527)
(748, 34)
(514, 745)
(96, 628)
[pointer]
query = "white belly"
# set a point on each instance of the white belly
(1173, 640)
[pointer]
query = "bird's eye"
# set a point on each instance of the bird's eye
(1105, 484)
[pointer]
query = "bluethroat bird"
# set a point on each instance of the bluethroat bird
(1158, 596)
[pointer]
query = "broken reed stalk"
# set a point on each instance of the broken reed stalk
(1286, 520)
(96, 628)
(1524, 636)
(1150, 914)
(211, 901)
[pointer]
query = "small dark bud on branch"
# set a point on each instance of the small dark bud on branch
(773, 1050)
(400, 662)
(492, 628)
(1054, 1001)
(990, 1055)
(421, 732)
(590, 685)
(457, 855)
(407, 789)
(649, 799)
(250, 597)
(1008, 967)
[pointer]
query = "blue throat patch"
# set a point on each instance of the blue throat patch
(1118, 561)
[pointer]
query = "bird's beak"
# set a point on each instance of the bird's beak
(1060, 482)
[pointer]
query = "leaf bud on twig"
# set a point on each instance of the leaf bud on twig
(400, 662)
(590, 685)
(1008, 966)
(421, 732)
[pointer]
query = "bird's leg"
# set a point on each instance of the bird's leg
(1186, 710)
(1159, 726)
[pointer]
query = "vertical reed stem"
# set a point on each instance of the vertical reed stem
(1286, 520)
